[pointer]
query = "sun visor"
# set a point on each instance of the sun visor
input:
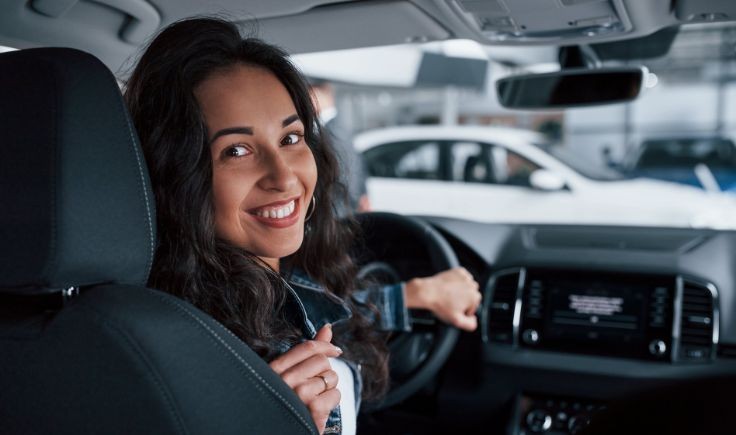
(438, 70)
(649, 47)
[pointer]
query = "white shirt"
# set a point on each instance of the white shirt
(346, 386)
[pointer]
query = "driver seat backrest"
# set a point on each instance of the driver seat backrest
(85, 347)
(477, 169)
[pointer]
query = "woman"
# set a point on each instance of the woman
(244, 184)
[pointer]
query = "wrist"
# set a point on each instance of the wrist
(414, 294)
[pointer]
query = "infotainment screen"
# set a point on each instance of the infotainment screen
(599, 313)
(599, 307)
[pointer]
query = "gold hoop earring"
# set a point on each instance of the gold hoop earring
(310, 210)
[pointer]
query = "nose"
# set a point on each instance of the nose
(277, 172)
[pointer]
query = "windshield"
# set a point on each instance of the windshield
(434, 140)
(583, 166)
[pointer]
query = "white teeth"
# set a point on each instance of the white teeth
(278, 213)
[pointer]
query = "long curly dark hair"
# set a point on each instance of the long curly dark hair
(232, 285)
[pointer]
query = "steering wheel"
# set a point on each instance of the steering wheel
(396, 248)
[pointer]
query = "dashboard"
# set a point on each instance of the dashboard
(576, 317)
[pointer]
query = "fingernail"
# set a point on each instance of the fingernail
(338, 349)
(328, 325)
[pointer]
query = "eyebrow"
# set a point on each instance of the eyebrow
(289, 120)
(249, 130)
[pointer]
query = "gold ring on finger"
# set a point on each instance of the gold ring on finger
(324, 379)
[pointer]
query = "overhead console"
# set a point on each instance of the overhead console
(532, 20)
(665, 318)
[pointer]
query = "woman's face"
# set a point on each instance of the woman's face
(263, 172)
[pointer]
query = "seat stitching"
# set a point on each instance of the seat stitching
(232, 351)
(179, 306)
(141, 179)
(53, 260)
(158, 381)
(145, 193)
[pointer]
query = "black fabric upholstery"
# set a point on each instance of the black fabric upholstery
(77, 208)
(76, 211)
(128, 360)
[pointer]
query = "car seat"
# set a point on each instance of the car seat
(85, 347)
(477, 169)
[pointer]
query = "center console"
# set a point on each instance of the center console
(552, 415)
(598, 313)
(605, 321)
(664, 318)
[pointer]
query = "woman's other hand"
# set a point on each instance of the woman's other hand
(452, 296)
(307, 371)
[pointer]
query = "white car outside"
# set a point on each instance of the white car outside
(424, 170)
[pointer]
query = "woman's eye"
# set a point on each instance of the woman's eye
(291, 139)
(237, 151)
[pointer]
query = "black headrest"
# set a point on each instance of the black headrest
(76, 207)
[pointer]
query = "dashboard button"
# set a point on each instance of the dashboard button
(538, 421)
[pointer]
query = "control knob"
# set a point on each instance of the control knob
(538, 421)
(657, 347)
(530, 336)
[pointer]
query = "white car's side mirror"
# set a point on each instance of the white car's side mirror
(544, 179)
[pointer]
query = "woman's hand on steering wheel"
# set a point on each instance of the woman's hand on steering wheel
(307, 371)
(453, 296)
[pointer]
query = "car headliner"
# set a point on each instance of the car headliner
(114, 30)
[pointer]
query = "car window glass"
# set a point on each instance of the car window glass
(512, 169)
(471, 163)
(491, 164)
(414, 160)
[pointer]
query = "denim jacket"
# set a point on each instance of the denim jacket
(311, 307)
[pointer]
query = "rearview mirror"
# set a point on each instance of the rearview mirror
(570, 88)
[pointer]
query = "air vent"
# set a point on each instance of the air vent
(698, 322)
(503, 290)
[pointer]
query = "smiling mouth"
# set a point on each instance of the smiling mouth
(283, 211)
